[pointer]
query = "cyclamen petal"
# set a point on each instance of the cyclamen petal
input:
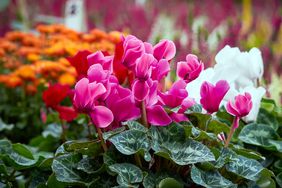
(66, 113)
(157, 116)
(140, 90)
(133, 48)
(165, 49)
(101, 116)
(160, 70)
(143, 64)
(241, 106)
(79, 61)
(175, 95)
(190, 69)
(99, 58)
(86, 93)
(211, 95)
(96, 73)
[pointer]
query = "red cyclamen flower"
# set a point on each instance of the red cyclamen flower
(80, 63)
(52, 98)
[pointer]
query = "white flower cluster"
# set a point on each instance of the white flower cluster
(242, 70)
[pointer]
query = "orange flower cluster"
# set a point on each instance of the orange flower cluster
(28, 59)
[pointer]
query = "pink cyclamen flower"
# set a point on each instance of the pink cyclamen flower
(160, 69)
(165, 49)
(133, 48)
(121, 103)
(140, 87)
(212, 95)
(156, 114)
(175, 95)
(241, 107)
(85, 96)
(190, 69)
(99, 58)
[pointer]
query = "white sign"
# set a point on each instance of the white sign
(75, 15)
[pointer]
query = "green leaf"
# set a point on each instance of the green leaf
(4, 126)
(210, 179)
(20, 158)
(90, 148)
(23, 151)
(278, 165)
(136, 126)
(65, 169)
(170, 182)
(131, 141)
(91, 166)
(195, 108)
(54, 130)
(182, 152)
(265, 180)
(152, 180)
(204, 121)
(267, 118)
(53, 182)
(261, 135)
(249, 153)
(244, 167)
(107, 135)
(128, 174)
(3, 169)
(279, 179)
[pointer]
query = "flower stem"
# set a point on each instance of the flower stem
(90, 137)
(99, 131)
(233, 128)
(138, 160)
(207, 123)
(64, 130)
(144, 114)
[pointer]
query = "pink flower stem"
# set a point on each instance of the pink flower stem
(233, 128)
(144, 114)
(64, 129)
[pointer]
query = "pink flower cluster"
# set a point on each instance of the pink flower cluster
(110, 100)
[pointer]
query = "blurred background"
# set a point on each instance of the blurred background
(201, 26)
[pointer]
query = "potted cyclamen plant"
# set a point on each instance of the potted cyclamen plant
(151, 136)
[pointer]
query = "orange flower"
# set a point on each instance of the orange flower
(26, 72)
(30, 89)
(10, 81)
(33, 57)
(67, 79)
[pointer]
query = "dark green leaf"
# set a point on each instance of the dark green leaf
(136, 126)
(128, 174)
(210, 179)
(261, 135)
(244, 167)
(131, 141)
(182, 152)
(65, 169)
(91, 166)
(54, 130)
(170, 182)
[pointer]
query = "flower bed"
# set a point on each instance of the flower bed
(125, 123)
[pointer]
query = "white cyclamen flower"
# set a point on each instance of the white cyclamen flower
(242, 68)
